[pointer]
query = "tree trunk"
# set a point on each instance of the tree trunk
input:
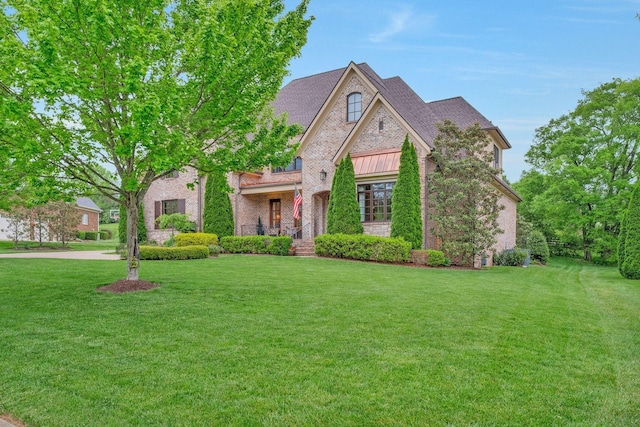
(133, 250)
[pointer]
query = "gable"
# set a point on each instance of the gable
(367, 135)
(333, 111)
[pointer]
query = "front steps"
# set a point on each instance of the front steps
(304, 247)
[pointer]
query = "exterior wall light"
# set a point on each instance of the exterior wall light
(323, 175)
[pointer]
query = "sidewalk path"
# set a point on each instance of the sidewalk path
(100, 255)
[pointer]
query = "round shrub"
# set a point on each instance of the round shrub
(214, 250)
(510, 257)
(435, 258)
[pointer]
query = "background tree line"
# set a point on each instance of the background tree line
(584, 166)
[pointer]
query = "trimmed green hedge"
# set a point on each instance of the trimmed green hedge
(195, 239)
(256, 244)
(81, 235)
(104, 235)
(280, 245)
(91, 235)
(362, 247)
(173, 253)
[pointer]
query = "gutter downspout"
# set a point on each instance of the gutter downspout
(235, 210)
(200, 198)
(426, 202)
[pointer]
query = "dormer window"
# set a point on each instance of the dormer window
(354, 106)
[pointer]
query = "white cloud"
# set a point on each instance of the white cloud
(398, 22)
(403, 20)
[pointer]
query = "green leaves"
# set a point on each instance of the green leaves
(463, 202)
(144, 87)
(344, 212)
(406, 221)
(587, 159)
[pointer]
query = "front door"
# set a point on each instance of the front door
(274, 215)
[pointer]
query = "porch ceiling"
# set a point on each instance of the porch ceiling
(274, 187)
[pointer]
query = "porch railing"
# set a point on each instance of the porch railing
(285, 229)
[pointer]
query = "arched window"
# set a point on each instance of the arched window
(85, 219)
(354, 106)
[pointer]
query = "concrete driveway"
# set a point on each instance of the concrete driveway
(99, 255)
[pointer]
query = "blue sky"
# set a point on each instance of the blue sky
(520, 63)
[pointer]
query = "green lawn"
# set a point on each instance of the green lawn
(7, 247)
(259, 340)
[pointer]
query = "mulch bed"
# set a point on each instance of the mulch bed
(122, 286)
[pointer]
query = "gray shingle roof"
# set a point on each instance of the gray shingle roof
(85, 202)
(304, 97)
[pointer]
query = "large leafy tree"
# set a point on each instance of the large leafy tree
(463, 202)
(344, 211)
(217, 217)
(583, 164)
(406, 220)
(144, 88)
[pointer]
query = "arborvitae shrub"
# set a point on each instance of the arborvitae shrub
(344, 210)
(217, 217)
(630, 268)
(406, 219)
(538, 247)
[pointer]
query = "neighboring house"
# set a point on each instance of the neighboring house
(349, 110)
(89, 214)
(89, 220)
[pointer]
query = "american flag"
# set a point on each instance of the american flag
(297, 203)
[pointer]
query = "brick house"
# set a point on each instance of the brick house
(348, 110)
(89, 214)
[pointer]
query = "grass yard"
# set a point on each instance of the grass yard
(290, 341)
(7, 247)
